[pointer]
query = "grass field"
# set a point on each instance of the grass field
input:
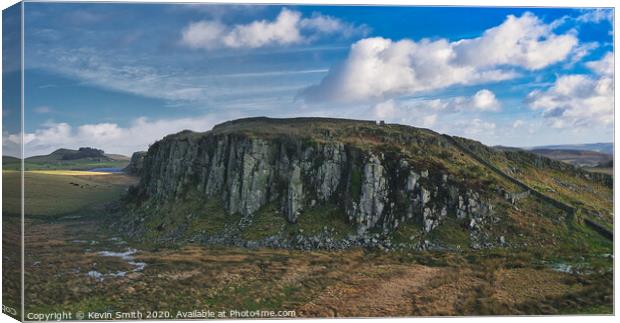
(53, 193)
(68, 172)
(67, 165)
(349, 283)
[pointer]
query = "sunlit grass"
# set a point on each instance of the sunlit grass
(52, 193)
(69, 172)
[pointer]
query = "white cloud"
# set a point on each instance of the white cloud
(424, 112)
(331, 25)
(385, 110)
(212, 34)
(478, 126)
(101, 131)
(482, 101)
(429, 120)
(378, 69)
(419, 114)
(518, 124)
(579, 101)
(11, 144)
(485, 100)
(203, 34)
(596, 16)
(581, 51)
(114, 72)
(523, 41)
(131, 75)
(605, 66)
(110, 137)
(287, 28)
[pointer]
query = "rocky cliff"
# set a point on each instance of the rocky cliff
(136, 163)
(378, 177)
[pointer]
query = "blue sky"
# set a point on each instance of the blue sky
(121, 76)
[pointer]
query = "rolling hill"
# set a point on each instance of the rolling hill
(69, 159)
(583, 158)
(602, 147)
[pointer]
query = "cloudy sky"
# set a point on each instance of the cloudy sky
(121, 76)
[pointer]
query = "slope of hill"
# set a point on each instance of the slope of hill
(333, 183)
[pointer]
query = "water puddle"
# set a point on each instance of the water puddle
(95, 274)
(562, 267)
(90, 242)
(127, 256)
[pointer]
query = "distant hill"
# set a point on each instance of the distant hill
(83, 158)
(576, 157)
(10, 159)
(70, 154)
(507, 148)
(602, 147)
(584, 155)
(9, 162)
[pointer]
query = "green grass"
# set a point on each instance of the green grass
(314, 220)
(267, 222)
(356, 183)
(75, 165)
(212, 218)
(65, 165)
(193, 216)
(451, 233)
(583, 240)
(67, 172)
(408, 233)
(54, 195)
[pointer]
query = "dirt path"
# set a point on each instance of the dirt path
(364, 294)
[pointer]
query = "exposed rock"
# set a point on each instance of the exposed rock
(136, 163)
(294, 197)
(374, 193)
(377, 190)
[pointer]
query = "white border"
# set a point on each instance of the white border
(485, 3)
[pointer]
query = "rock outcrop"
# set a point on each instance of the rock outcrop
(381, 177)
(136, 163)
(377, 190)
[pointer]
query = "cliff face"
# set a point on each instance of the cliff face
(276, 178)
(136, 163)
(377, 190)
